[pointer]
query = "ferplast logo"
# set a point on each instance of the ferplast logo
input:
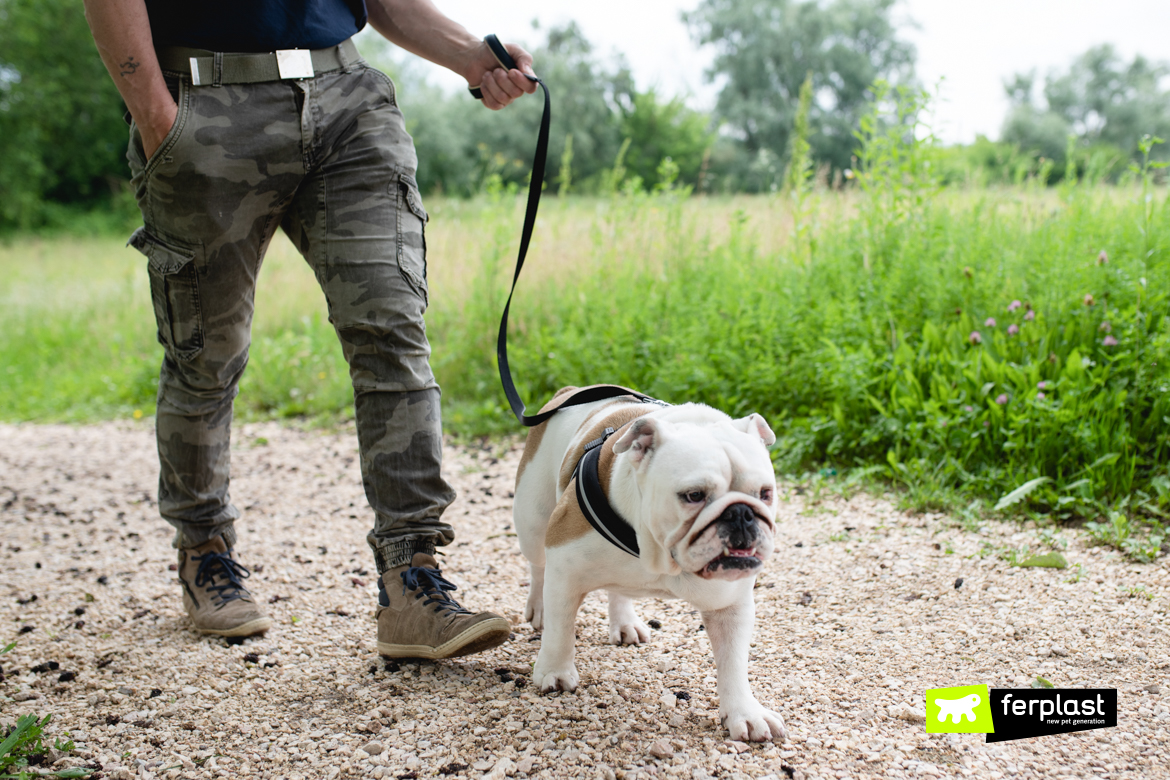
(962, 710)
(1015, 713)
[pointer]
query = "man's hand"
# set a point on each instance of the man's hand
(419, 27)
(155, 131)
(500, 87)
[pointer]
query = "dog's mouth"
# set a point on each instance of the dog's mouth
(744, 558)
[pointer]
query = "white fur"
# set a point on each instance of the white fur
(669, 450)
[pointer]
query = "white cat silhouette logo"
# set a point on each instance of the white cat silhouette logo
(958, 709)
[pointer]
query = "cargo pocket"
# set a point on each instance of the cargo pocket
(174, 290)
(412, 241)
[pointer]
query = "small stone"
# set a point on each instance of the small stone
(907, 713)
(66, 677)
(526, 765)
(677, 721)
(373, 748)
(1153, 688)
(958, 583)
(504, 767)
(661, 749)
(654, 624)
(25, 696)
(1059, 651)
(668, 700)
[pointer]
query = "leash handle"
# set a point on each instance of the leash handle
(506, 62)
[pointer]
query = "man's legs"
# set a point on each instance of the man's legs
(358, 219)
(209, 209)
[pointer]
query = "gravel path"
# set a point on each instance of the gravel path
(858, 612)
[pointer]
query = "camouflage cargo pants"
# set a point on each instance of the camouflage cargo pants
(329, 161)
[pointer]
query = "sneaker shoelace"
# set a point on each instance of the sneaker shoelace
(214, 565)
(430, 584)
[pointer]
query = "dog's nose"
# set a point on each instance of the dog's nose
(739, 526)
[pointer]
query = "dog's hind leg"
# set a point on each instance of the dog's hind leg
(625, 628)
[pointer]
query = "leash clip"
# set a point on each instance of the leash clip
(599, 440)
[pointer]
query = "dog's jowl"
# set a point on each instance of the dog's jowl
(674, 502)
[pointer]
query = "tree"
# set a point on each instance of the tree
(660, 129)
(766, 49)
(460, 144)
(1101, 100)
(62, 137)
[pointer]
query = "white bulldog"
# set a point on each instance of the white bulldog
(700, 492)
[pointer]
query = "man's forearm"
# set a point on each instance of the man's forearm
(421, 28)
(121, 30)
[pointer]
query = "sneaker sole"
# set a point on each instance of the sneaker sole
(258, 626)
(480, 637)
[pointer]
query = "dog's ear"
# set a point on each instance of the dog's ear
(755, 424)
(643, 435)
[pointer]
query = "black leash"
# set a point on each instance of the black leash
(535, 184)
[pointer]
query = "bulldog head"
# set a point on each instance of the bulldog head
(703, 491)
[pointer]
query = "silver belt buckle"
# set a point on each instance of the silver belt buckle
(294, 63)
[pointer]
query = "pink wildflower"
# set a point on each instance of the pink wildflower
(1109, 341)
(1088, 299)
(1013, 329)
(975, 338)
(1001, 399)
(1103, 258)
(1014, 305)
(1039, 396)
(1031, 315)
(1105, 326)
(989, 322)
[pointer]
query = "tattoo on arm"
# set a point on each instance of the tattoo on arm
(129, 66)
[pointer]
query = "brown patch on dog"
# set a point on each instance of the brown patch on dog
(567, 522)
(615, 419)
(536, 433)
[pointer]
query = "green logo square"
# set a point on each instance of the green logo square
(962, 710)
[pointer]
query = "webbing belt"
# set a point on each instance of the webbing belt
(215, 68)
(589, 394)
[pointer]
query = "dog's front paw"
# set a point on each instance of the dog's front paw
(555, 680)
(634, 632)
(755, 723)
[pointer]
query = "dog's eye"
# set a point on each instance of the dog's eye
(766, 495)
(694, 497)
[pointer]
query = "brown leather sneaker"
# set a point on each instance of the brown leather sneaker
(418, 619)
(213, 592)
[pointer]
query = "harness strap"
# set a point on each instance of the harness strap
(594, 503)
(535, 184)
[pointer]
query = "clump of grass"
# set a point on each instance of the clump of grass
(21, 746)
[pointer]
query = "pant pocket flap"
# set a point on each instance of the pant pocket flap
(413, 198)
(162, 258)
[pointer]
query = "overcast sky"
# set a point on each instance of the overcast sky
(972, 46)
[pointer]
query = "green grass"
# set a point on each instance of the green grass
(848, 319)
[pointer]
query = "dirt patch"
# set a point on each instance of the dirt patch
(857, 614)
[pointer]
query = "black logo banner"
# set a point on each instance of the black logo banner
(1037, 712)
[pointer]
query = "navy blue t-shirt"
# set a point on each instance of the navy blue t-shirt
(255, 25)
